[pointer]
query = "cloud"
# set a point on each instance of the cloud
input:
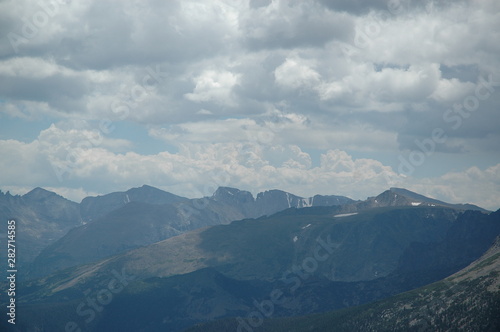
(275, 85)
(292, 24)
(198, 169)
(362, 7)
(37, 80)
(214, 86)
(294, 74)
(81, 158)
(280, 128)
(474, 185)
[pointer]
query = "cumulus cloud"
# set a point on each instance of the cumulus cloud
(294, 74)
(214, 86)
(473, 185)
(197, 169)
(271, 92)
(248, 165)
(291, 24)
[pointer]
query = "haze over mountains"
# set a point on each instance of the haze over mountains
(190, 261)
(147, 215)
(44, 217)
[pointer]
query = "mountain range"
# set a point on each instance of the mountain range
(221, 259)
(146, 215)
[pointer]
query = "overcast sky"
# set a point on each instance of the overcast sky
(312, 97)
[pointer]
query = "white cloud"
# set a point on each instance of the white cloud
(364, 86)
(214, 86)
(280, 128)
(251, 166)
(474, 185)
(449, 91)
(294, 73)
(198, 169)
(246, 89)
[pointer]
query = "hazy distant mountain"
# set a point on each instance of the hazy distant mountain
(420, 199)
(272, 201)
(137, 223)
(220, 271)
(134, 225)
(91, 208)
(42, 217)
(403, 197)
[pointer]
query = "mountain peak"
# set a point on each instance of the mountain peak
(98, 206)
(392, 198)
(38, 190)
(226, 190)
(417, 199)
(228, 193)
(40, 193)
(145, 187)
(412, 195)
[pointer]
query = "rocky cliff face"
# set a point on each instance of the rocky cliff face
(272, 201)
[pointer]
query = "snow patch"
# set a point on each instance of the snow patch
(307, 202)
(288, 199)
(344, 215)
(306, 226)
(295, 238)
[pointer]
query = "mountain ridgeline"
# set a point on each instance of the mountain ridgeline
(41, 216)
(147, 260)
(147, 215)
(92, 208)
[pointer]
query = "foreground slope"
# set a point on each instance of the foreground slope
(469, 300)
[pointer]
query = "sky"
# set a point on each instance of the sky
(335, 97)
